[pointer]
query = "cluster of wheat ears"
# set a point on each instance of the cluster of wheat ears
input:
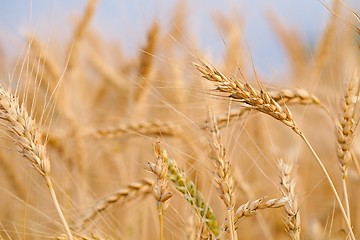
(166, 145)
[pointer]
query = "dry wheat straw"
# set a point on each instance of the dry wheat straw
(121, 195)
(185, 186)
(291, 207)
(262, 101)
(161, 189)
(28, 138)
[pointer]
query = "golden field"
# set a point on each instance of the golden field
(172, 143)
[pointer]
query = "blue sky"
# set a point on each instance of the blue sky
(128, 21)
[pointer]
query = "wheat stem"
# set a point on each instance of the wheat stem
(346, 198)
(57, 206)
(342, 209)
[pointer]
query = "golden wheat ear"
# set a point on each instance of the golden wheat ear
(287, 182)
(28, 138)
(252, 98)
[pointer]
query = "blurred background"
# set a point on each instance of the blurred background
(128, 21)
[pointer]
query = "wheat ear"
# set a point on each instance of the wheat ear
(283, 96)
(144, 128)
(250, 208)
(188, 189)
(345, 131)
(222, 175)
(291, 207)
(263, 102)
(28, 138)
(161, 189)
(252, 98)
(123, 194)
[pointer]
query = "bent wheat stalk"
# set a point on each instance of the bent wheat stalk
(28, 138)
(263, 102)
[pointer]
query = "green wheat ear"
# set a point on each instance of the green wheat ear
(191, 194)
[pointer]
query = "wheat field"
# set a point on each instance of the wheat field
(174, 143)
